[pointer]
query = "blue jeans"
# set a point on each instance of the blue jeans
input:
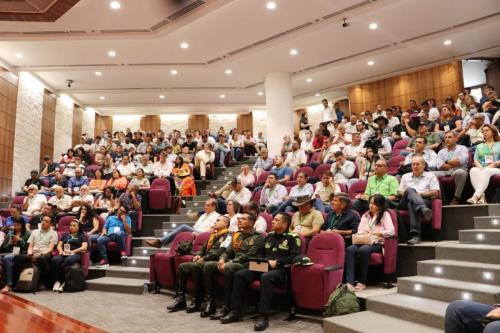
(171, 235)
(103, 241)
(58, 265)
(236, 153)
(286, 206)
(92, 239)
(8, 267)
(463, 316)
(322, 207)
(222, 154)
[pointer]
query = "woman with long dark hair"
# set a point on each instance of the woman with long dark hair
(376, 224)
(89, 223)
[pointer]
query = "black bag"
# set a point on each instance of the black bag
(28, 280)
(185, 247)
(74, 280)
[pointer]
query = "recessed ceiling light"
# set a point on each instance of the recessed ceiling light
(260, 93)
(102, 97)
(112, 53)
(228, 71)
(271, 5)
(184, 45)
(162, 96)
(373, 26)
(309, 80)
(174, 72)
(317, 95)
(98, 73)
(115, 5)
(371, 63)
(294, 52)
(19, 55)
(222, 96)
(447, 42)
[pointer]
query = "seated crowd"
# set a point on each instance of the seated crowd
(398, 159)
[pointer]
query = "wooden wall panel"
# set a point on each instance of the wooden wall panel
(103, 123)
(437, 82)
(8, 104)
(48, 124)
(77, 124)
(244, 122)
(150, 123)
(198, 122)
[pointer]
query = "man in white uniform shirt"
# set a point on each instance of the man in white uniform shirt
(205, 223)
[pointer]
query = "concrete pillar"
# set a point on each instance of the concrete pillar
(279, 107)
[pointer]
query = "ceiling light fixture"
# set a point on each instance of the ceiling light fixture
(447, 42)
(294, 52)
(222, 96)
(309, 80)
(174, 72)
(371, 63)
(317, 94)
(260, 93)
(19, 55)
(112, 53)
(162, 96)
(115, 5)
(373, 26)
(98, 73)
(102, 98)
(271, 5)
(184, 45)
(228, 72)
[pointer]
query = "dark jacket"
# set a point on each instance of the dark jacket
(348, 221)
(212, 249)
(244, 247)
(281, 247)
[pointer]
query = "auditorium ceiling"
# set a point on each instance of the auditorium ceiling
(209, 55)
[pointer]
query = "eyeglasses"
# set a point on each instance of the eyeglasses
(380, 165)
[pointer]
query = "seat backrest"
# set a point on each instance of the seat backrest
(200, 240)
(394, 219)
(399, 146)
(64, 222)
(181, 237)
(327, 249)
(321, 169)
(269, 220)
(395, 161)
(343, 187)
(160, 183)
(305, 169)
(262, 178)
(303, 244)
(357, 188)
(316, 157)
(256, 197)
(18, 200)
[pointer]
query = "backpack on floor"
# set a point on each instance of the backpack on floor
(28, 280)
(341, 302)
(74, 280)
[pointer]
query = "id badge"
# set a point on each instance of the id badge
(16, 250)
(116, 230)
(76, 189)
(403, 134)
(297, 229)
(66, 247)
(446, 128)
(488, 159)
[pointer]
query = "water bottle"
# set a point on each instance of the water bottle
(146, 287)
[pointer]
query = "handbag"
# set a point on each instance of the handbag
(362, 239)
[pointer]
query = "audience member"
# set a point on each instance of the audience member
(283, 172)
(324, 191)
(116, 228)
(303, 188)
(420, 149)
(468, 317)
(342, 169)
(203, 160)
(296, 157)
(273, 194)
(32, 204)
(341, 219)
(307, 221)
(81, 199)
(33, 180)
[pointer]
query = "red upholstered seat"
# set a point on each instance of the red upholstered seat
(357, 188)
(161, 265)
(256, 197)
(437, 212)
(312, 285)
(400, 146)
(389, 258)
(198, 243)
(269, 220)
(394, 164)
(159, 194)
(305, 169)
(321, 169)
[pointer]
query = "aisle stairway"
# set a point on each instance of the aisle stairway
(131, 275)
(467, 269)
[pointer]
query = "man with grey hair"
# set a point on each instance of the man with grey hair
(416, 189)
(341, 219)
(83, 198)
(76, 182)
(32, 204)
(474, 130)
(61, 201)
(452, 161)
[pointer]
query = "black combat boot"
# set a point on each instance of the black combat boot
(224, 310)
(209, 307)
(262, 323)
(178, 305)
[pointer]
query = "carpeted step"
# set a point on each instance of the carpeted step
(487, 222)
(117, 285)
(460, 270)
(124, 272)
(145, 251)
(469, 252)
(136, 261)
(480, 236)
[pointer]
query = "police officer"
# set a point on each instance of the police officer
(280, 247)
(211, 250)
(245, 244)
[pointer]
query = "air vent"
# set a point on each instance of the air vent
(159, 25)
(254, 85)
(214, 60)
(183, 11)
(241, 49)
(302, 26)
(269, 38)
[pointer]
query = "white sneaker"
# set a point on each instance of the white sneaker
(57, 285)
(61, 288)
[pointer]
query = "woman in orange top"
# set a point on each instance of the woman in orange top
(97, 184)
(117, 181)
(185, 183)
(180, 165)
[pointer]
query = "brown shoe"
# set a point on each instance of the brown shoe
(454, 202)
(193, 216)
(154, 243)
(212, 195)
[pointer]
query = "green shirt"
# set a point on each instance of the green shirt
(386, 185)
(486, 154)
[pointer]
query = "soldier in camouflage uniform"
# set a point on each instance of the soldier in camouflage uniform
(246, 244)
(280, 248)
(211, 251)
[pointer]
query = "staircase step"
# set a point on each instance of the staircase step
(460, 270)
(145, 251)
(141, 241)
(469, 252)
(172, 225)
(373, 322)
(480, 236)
(159, 233)
(124, 272)
(136, 261)
(487, 222)
(117, 285)
(448, 290)
(415, 309)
